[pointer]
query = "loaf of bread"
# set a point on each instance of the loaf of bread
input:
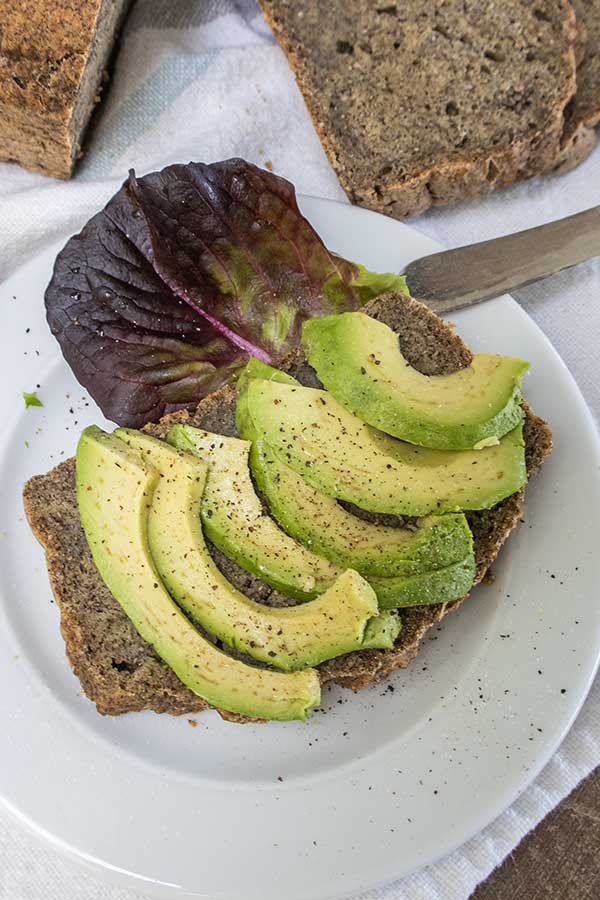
(52, 58)
(121, 673)
(426, 102)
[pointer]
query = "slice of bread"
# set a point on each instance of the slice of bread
(583, 113)
(117, 670)
(428, 102)
(52, 59)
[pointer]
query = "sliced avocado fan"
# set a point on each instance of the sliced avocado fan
(115, 487)
(321, 523)
(336, 453)
(288, 638)
(234, 520)
(434, 563)
(358, 360)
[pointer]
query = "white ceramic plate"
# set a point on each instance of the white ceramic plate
(381, 782)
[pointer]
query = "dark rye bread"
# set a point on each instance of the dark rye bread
(117, 670)
(430, 101)
(52, 59)
(583, 113)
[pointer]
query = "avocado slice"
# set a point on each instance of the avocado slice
(341, 456)
(254, 368)
(382, 631)
(115, 487)
(437, 586)
(321, 524)
(233, 518)
(358, 360)
(288, 638)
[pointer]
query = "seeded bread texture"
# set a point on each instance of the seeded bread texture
(121, 673)
(430, 101)
(52, 57)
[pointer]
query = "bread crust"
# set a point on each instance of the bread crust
(583, 113)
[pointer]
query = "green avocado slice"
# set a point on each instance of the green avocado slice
(254, 369)
(381, 631)
(287, 638)
(234, 520)
(437, 586)
(115, 488)
(358, 360)
(339, 455)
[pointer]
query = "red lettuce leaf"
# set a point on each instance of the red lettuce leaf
(185, 274)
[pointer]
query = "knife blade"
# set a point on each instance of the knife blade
(453, 279)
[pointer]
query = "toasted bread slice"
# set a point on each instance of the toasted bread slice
(117, 670)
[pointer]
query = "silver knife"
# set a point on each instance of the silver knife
(453, 279)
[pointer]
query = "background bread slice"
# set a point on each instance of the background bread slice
(583, 113)
(52, 57)
(117, 670)
(426, 102)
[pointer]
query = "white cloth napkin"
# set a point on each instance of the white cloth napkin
(204, 80)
